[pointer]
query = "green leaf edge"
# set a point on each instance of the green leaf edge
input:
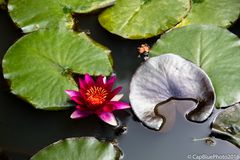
(185, 21)
(118, 151)
(149, 35)
(68, 24)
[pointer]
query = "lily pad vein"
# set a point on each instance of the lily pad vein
(133, 15)
(199, 51)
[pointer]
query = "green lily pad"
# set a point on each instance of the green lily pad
(218, 12)
(214, 49)
(40, 65)
(138, 19)
(227, 124)
(32, 15)
(86, 148)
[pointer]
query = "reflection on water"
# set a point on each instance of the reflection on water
(24, 130)
(168, 111)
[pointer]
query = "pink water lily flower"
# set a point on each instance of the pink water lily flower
(97, 98)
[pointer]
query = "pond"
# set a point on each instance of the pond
(25, 130)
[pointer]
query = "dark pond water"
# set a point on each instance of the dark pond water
(24, 130)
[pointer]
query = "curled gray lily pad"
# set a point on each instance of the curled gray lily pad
(167, 77)
(85, 148)
(227, 124)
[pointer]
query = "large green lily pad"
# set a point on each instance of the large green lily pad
(218, 12)
(31, 15)
(214, 49)
(39, 66)
(227, 124)
(86, 148)
(138, 19)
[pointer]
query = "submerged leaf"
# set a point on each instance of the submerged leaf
(214, 49)
(167, 77)
(86, 148)
(138, 19)
(227, 124)
(40, 66)
(32, 15)
(218, 12)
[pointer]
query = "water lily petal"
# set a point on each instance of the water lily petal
(115, 105)
(104, 80)
(89, 80)
(80, 114)
(117, 97)
(81, 108)
(82, 84)
(100, 78)
(82, 94)
(101, 81)
(108, 108)
(77, 100)
(72, 93)
(108, 118)
(114, 92)
(110, 82)
(119, 105)
(90, 89)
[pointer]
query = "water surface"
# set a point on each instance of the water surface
(25, 130)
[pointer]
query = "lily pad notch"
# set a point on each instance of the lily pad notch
(166, 77)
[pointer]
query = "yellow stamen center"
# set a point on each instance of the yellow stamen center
(96, 95)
